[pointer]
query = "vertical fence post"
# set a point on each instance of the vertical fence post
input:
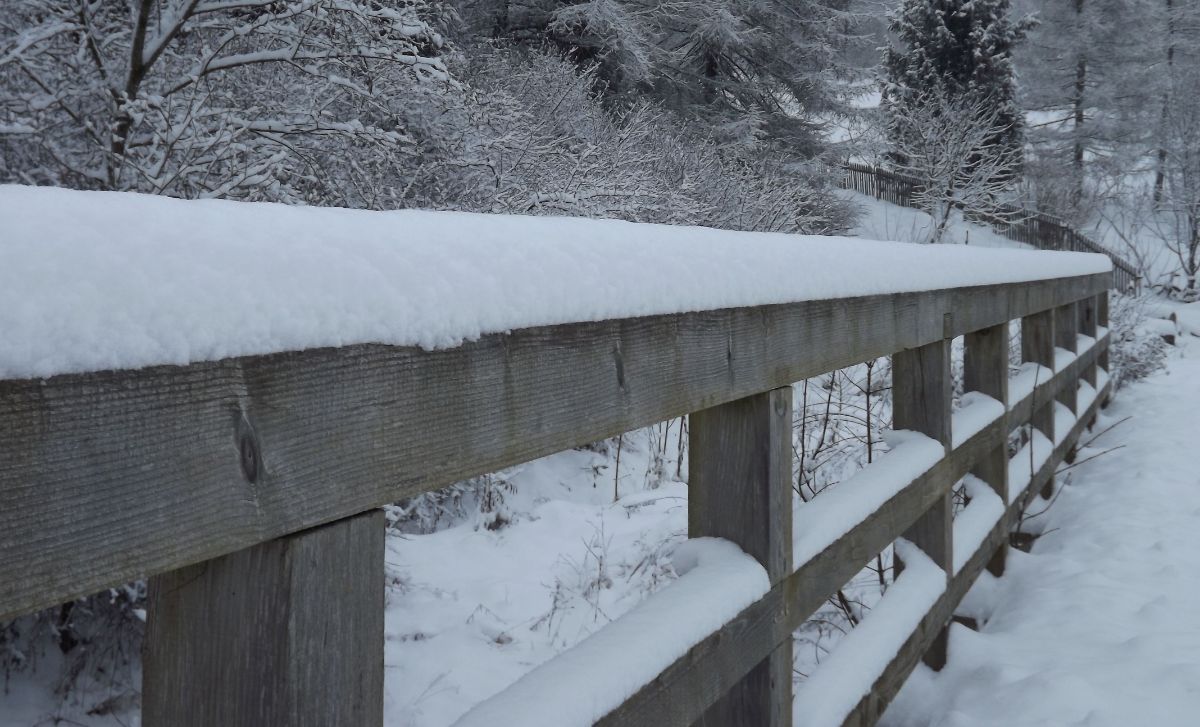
(985, 369)
(1102, 320)
(740, 489)
(1037, 346)
(1087, 326)
(288, 633)
(921, 398)
(1066, 327)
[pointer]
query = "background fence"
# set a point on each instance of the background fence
(1040, 230)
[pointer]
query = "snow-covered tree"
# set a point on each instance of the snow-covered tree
(259, 99)
(956, 48)
(951, 144)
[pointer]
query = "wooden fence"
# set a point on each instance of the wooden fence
(1038, 229)
(248, 489)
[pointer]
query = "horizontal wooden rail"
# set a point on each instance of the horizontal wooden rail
(111, 476)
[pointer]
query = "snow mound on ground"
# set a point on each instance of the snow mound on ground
(103, 280)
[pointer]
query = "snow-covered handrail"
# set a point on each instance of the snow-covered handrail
(246, 486)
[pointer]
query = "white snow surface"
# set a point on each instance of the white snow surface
(105, 280)
(848, 673)
(575, 689)
(1097, 624)
(977, 411)
(974, 522)
(1028, 376)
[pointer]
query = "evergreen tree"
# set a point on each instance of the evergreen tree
(955, 49)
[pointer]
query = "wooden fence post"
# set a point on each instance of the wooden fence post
(1102, 320)
(985, 369)
(921, 400)
(739, 488)
(1066, 327)
(288, 633)
(1037, 346)
(1087, 326)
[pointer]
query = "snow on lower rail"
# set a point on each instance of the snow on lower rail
(1027, 379)
(977, 412)
(102, 280)
(974, 522)
(817, 524)
(581, 685)
(847, 674)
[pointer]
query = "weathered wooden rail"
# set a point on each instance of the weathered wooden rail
(1041, 230)
(247, 489)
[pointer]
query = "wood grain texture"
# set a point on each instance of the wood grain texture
(872, 706)
(288, 633)
(739, 489)
(985, 369)
(922, 395)
(247, 450)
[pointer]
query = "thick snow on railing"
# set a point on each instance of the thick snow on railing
(849, 672)
(820, 522)
(975, 522)
(98, 280)
(578, 687)
(977, 411)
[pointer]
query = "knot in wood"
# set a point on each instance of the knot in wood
(248, 451)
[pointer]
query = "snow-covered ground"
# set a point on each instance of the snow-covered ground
(884, 221)
(1098, 624)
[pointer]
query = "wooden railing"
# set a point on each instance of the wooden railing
(247, 489)
(1038, 229)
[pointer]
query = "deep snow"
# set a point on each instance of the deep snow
(127, 280)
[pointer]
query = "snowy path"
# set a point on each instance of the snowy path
(1100, 624)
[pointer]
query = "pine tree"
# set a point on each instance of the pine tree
(956, 49)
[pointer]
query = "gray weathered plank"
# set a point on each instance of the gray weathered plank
(288, 633)
(1087, 326)
(247, 450)
(985, 369)
(1102, 320)
(1037, 346)
(1066, 329)
(922, 394)
(739, 488)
